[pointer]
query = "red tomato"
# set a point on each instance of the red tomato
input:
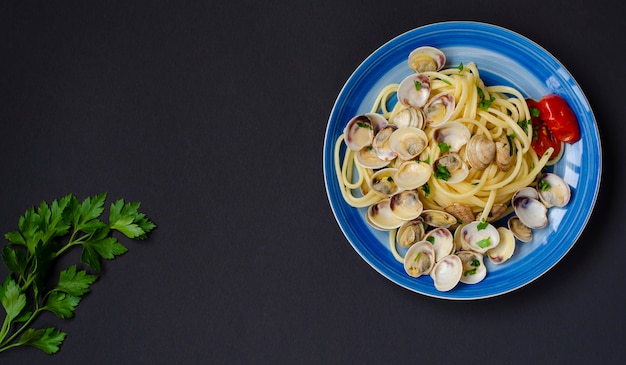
(542, 137)
(559, 118)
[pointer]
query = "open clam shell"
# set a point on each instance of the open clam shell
(406, 205)
(414, 90)
(447, 273)
(426, 58)
(410, 232)
(474, 269)
(419, 259)
(553, 190)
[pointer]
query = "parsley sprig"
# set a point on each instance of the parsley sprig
(44, 234)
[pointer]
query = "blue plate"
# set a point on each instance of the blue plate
(503, 57)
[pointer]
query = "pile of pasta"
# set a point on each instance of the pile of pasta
(504, 114)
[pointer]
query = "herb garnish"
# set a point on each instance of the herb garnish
(544, 185)
(482, 225)
(426, 189)
(364, 125)
(418, 85)
(442, 173)
(534, 112)
(486, 242)
(444, 147)
(44, 234)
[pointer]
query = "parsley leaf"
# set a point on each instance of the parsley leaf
(444, 147)
(442, 173)
(44, 234)
(482, 225)
(426, 189)
(486, 242)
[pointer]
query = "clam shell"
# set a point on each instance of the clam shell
(439, 109)
(447, 273)
(442, 240)
(480, 239)
(414, 90)
(383, 182)
(381, 143)
(379, 216)
(480, 152)
(410, 232)
(408, 142)
(455, 165)
(412, 174)
(531, 212)
(419, 259)
(406, 205)
(553, 190)
(505, 248)
(474, 269)
(409, 117)
(454, 134)
(521, 231)
(426, 58)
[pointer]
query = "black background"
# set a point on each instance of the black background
(213, 114)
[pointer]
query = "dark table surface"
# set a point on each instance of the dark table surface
(212, 115)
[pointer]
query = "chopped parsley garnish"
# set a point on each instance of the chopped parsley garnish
(485, 104)
(431, 239)
(426, 189)
(469, 272)
(524, 125)
(484, 243)
(364, 125)
(544, 185)
(418, 85)
(442, 173)
(389, 178)
(534, 112)
(480, 92)
(475, 262)
(444, 147)
(509, 138)
(482, 225)
(417, 257)
(460, 67)
(446, 81)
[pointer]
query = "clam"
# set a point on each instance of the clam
(408, 142)
(531, 212)
(480, 152)
(439, 109)
(379, 216)
(526, 192)
(504, 153)
(381, 143)
(447, 273)
(438, 218)
(410, 232)
(368, 158)
(406, 205)
(426, 58)
(474, 269)
(419, 259)
(453, 134)
(412, 174)
(414, 90)
(458, 242)
(408, 117)
(505, 248)
(521, 231)
(479, 236)
(462, 212)
(497, 211)
(456, 167)
(553, 190)
(442, 241)
(360, 130)
(382, 182)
